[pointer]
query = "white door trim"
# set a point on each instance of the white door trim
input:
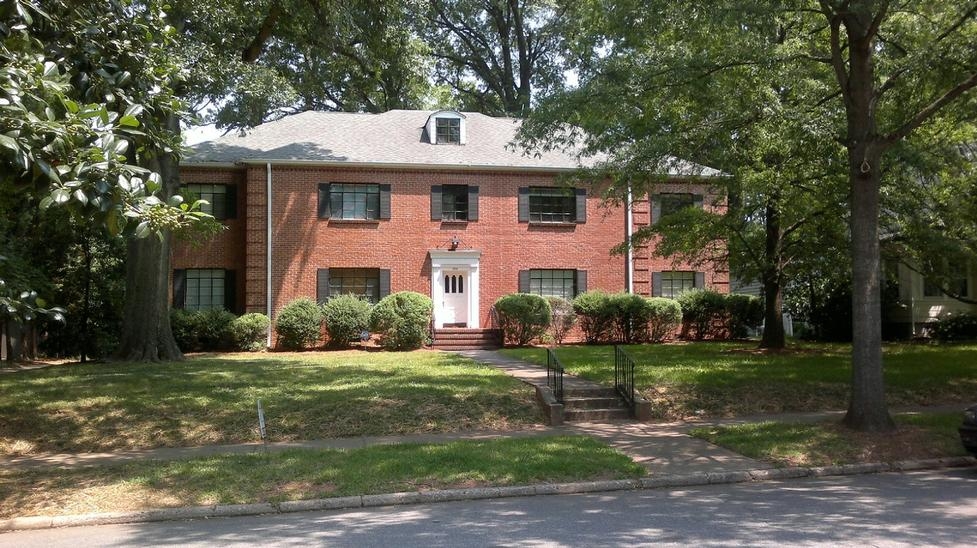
(466, 261)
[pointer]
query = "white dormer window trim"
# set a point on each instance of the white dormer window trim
(432, 126)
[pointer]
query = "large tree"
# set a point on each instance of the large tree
(862, 74)
(495, 54)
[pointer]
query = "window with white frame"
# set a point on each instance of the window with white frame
(553, 283)
(363, 282)
(674, 283)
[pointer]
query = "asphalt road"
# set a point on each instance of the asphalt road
(923, 508)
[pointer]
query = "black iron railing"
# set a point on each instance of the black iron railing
(624, 376)
(554, 374)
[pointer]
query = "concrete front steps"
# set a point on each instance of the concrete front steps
(593, 405)
(457, 338)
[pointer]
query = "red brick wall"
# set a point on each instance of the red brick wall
(303, 243)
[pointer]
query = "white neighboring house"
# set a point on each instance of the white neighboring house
(921, 302)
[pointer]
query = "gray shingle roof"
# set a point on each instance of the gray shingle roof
(395, 138)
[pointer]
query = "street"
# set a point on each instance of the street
(937, 508)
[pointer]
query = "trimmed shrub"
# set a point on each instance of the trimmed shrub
(346, 317)
(299, 324)
(955, 327)
(631, 314)
(523, 318)
(563, 318)
(202, 331)
(595, 314)
(702, 309)
(744, 312)
(664, 317)
(249, 331)
(403, 320)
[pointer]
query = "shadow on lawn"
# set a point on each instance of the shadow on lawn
(212, 399)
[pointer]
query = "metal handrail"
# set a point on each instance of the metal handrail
(624, 376)
(554, 374)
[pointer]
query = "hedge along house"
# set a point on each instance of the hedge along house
(319, 204)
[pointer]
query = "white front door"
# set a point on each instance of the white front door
(455, 290)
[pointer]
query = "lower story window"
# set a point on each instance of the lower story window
(676, 283)
(204, 289)
(553, 283)
(364, 282)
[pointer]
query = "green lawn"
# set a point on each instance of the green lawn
(927, 435)
(306, 474)
(212, 399)
(734, 378)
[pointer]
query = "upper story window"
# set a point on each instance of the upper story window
(551, 205)
(446, 127)
(454, 203)
(354, 201)
(221, 199)
(669, 203)
(448, 130)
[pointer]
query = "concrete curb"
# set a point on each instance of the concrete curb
(449, 495)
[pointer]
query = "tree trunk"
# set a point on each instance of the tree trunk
(146, 333)
(867, 410)
(772, 278)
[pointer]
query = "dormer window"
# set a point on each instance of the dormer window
(445, 127)
(448, 130)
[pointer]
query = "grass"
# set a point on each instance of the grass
(211, 399)
(305, 474)
(734, 378)
(923, 435)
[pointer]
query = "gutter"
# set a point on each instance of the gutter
(628, 232)
(268, 303)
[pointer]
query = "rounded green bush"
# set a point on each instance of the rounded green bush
(702, 310)
(346, 316)
(403, 320)
(631, 314)
(745, 312)
(563, 318)
(664, 317)
(595, 314)
(956, 327)
(250, 331)
(299, 324)
(202, 331)
(523, 318)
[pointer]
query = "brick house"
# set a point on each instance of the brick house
(319, 204)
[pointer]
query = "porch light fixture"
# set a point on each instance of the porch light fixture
(454, 243)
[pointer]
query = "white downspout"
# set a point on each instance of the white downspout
(268, 302)
(628, 231)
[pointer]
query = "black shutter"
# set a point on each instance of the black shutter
(324, 201)
(524, 204)
(656, 208)
(230, 202)
(230, 291)
(523, 281)
(385, 202)
(697, 200)
(656, 284)
(436, 213)
(179, 288)
(472, 203)
(700, 280)
(321, 285)
(581, 282)
(384, 282)
(581, 194)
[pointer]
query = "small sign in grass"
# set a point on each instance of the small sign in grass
(309, 474)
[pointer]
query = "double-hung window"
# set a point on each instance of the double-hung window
(354, 201)
(220, 199)
(454, 202)
(448, 131)
(362, 282)
(675, 283)
(552, 205)
(553, 283)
